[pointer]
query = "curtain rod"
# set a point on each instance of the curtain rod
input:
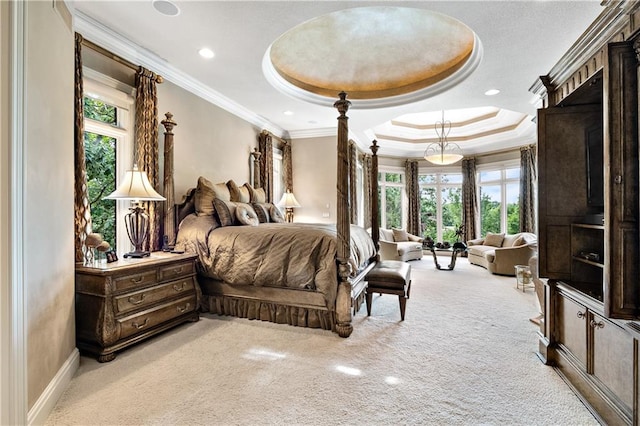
(101, 50)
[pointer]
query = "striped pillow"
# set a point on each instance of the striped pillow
(262, 210)
(226, 211)
(275, 213)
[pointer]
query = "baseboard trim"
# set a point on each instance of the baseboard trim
(44, 405)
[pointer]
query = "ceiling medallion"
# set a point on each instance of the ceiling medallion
(381, 56)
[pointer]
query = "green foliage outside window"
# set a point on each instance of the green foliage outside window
(451, 212)
(100, 158)
(394, 206)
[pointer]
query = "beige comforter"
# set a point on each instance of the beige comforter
(293, 255)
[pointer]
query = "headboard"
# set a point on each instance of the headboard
(185, 207)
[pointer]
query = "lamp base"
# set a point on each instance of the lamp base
(137, 254)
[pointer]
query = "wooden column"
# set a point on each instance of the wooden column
(343, 225)
(256, 168)
(373, 176)
(168, 187)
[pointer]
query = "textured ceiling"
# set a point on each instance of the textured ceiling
(521, 40)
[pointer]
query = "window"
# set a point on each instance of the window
(499, 199)
(278, 177)
(440, 205)
(392, 199)
(360, 191)
(108, 154)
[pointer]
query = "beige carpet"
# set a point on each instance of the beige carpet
(463, 356)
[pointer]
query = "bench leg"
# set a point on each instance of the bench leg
(403, 304)
(369, 302)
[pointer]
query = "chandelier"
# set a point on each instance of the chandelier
(443, 152)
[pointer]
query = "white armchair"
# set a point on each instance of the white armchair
(396, 244)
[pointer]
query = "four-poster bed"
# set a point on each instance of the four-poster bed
(322, 268)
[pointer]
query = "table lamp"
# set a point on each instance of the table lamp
(136, 187)
(289, 202)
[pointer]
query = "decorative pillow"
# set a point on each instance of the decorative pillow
(246, 215)
(206, 192)
(226, 211)
(518, 241)
(494, 240)
(259, 196)
(275, 214)
(262, 210)
(400, 235)
(239, 194)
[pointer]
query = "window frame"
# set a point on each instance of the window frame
(382, 186)
(122, 96)
(439, 186)
(503, 182)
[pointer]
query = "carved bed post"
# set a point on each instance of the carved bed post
(343, 223)
(375, 220)
(168, 187)
(256, 168)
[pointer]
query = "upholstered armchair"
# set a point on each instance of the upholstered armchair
(397, 244)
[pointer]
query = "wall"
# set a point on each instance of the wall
(49, 182)
(314, 178)
(208, 140)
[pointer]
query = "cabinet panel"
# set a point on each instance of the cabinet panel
(571, 328)
(613, 358)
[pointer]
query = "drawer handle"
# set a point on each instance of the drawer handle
(177, 271)
(595, 324)
(137, 280)
(133, 301)
(179, 289)
(139, 326)
(581, 314)
(182, 310)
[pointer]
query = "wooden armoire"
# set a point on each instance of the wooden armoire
(588, 208)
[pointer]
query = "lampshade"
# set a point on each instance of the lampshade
(135, 186)
(443, 152)
(288, 201)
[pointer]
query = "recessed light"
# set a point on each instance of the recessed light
(288, 113)
(492, 92)
(166, 7)
(206, 53)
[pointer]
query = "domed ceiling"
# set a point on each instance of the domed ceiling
(380, 56)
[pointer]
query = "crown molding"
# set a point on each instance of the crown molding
(320, 132)
(608, 24)
(105, 37)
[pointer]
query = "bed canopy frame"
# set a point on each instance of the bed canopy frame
(350, 292)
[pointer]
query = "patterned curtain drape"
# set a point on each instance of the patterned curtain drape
(146, 146)
(353, 193)
(287, 166)
(265, 146)
(413, 197)
(366, 189)
(469, 199)
(81, 201)
(528, 177)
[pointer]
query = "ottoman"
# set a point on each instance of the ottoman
(389, 277)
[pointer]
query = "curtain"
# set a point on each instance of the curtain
(287, 166)
(265, 145)
(528, 177)
(353, 192)
(146, 146)
(81, 191)
(469, 200)
(366, 189)
(413, 197)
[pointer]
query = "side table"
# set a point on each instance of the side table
(124, 302)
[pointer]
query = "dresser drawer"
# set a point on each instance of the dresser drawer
(151, 295)
(148, 319)
(137, 280)
(177, 270)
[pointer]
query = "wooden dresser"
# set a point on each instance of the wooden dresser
(121, 303)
